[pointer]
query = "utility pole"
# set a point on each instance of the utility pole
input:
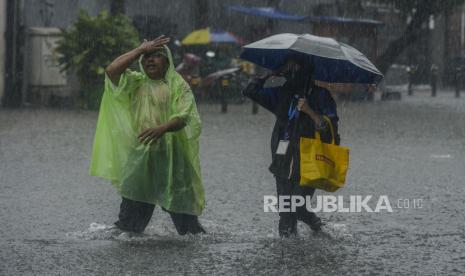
(446, 56)
(3, 4)
(270, 26)
(12, 96)
(200, 14)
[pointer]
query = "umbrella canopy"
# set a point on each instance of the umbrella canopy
(272, 13)
(333, 61)
(267, 12)
(207, 36)
(218, 74)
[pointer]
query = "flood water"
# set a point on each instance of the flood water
(57, 220)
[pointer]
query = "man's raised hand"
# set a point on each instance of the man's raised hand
(154, 45)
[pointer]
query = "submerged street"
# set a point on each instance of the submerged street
(57, 220)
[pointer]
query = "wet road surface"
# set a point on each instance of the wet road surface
(57, 220)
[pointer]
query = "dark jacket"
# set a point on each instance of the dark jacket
(280, 100)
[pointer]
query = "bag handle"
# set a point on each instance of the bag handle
(317, 133)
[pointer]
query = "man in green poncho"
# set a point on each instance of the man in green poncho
(147, 140)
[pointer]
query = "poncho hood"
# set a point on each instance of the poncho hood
(170, 71)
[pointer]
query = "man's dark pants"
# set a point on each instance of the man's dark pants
(134, 216)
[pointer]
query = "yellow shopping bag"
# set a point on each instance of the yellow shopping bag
(323, 166)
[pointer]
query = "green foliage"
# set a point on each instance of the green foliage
(89, 45)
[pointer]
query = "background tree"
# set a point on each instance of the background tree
(419, 12)
(89, 45)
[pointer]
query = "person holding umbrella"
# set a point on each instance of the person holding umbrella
(300, 106)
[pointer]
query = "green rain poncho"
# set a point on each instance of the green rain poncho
(165, 173)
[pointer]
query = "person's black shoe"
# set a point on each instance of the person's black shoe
(287, 227)
(193, 225)
(311, 220)
(315, 223)
(293, 229)
(196, 228)
(186, 224)
(126, 228)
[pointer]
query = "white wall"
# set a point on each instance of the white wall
(2, 46)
